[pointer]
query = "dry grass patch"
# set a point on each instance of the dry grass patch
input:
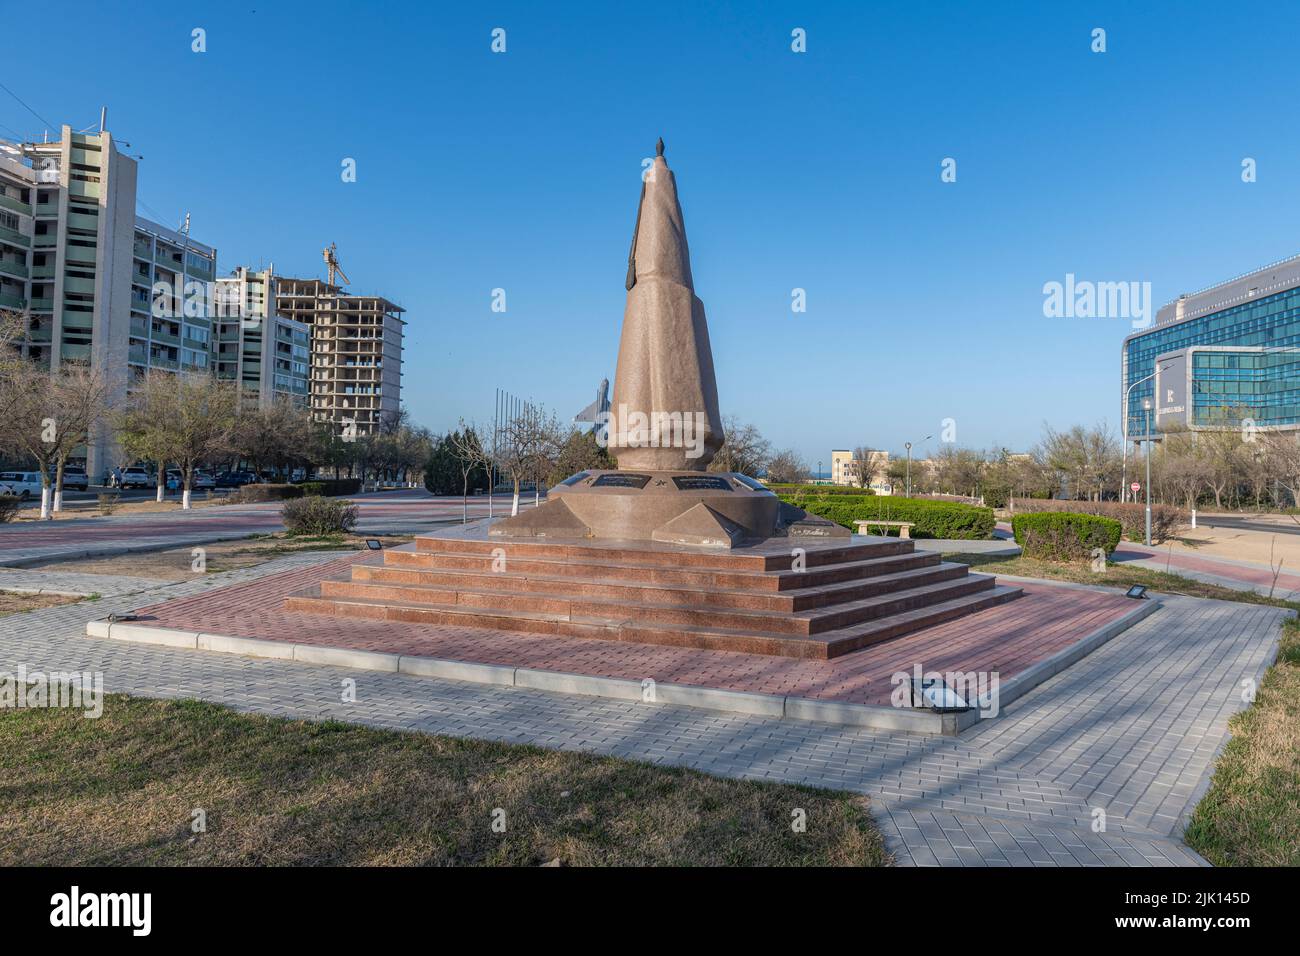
(15, 602)
(176, 564)
(1116, 575)
(122, 790)
(1251, 814)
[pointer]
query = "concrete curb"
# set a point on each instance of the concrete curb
(1048, 668)
(918, 721)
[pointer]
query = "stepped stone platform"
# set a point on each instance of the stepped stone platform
(812, 599)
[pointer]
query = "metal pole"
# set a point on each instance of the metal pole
(1149, 474)
(908, 493)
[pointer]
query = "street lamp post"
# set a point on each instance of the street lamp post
(1146, 404)
(819, 471)
(908, 446)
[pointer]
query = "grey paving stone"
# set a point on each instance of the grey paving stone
(1132, 729)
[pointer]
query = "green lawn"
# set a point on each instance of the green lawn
(122, 790)
(1251, 814)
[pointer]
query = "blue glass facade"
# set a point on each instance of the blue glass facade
(1265, 383)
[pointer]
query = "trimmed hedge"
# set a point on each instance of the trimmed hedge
(331, 487)
(1165, 519)
(1063, 536)
(318, 516)
(931, 519)
(793, 489)
(269, 492)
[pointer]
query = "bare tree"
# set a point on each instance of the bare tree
(526, 447)
(50, 415)
(187, 418)
(744, 450)
(787, 466)
(470, 456)
(81, 396)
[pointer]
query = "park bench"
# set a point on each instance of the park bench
(904, 527)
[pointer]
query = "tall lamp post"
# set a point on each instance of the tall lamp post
(1124, 467)
(1146, 404)
(819, 471)
(908, 446)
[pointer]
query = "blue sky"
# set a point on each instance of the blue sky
(818, 170)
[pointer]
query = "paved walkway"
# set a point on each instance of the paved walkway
(1008, 639)
(1132, 730)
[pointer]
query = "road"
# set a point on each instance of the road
(388, 512)
(1267, 524)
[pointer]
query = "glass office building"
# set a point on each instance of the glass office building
(1218, 357)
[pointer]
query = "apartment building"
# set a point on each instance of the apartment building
(171, 296)
(356, 351)
(267, 353)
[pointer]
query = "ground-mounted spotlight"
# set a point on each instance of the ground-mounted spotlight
(374, 544)
(1138, 592)
(935, 694)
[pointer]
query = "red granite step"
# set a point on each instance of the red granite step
(600, 568)
(772, 555)
(816, 647)
(917, 590)
(701, 594)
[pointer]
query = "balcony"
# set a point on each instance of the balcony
(47, 209)
(47, 241)
(12, 302)
(42, 272)
(42, 305)
(158, 361)
(11, 268)
(8, 202)
(15, 238)
(79, 285)
(74, 353)
(79, 220)
(78, 187)
(39, 335)
(136, 355)
(161, 337)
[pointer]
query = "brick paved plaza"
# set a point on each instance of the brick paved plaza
(1131, 730)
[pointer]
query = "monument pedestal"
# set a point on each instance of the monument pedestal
(813, 599)
(703, 509)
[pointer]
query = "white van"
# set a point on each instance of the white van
(25, 484)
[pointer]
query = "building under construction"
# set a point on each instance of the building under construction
(356, 351)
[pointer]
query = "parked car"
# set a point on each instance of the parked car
(136, 478)
(75, 479)
(24, 484)
(202, 480)
(236, 479)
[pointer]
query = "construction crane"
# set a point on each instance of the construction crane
(332, 264)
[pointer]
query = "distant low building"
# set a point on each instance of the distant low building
(844, 470)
